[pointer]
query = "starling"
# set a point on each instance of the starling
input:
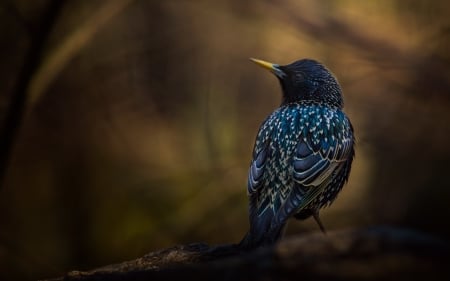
(303, 152)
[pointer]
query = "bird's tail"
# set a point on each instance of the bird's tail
(246, 242)
(262, 232)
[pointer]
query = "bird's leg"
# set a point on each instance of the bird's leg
(317, 219)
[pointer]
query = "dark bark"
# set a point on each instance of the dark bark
(379, 253)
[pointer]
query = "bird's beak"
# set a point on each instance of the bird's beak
(274, 68)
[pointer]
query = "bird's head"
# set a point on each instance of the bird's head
(306, 80)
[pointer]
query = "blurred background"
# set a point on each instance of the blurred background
(141, 117)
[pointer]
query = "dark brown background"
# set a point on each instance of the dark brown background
(141, 119)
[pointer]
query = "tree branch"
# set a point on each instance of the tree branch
(380, 253)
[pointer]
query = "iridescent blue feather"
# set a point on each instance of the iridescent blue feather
(302, 158)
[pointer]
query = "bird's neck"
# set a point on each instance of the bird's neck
(308, 102)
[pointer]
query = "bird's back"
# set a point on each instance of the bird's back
(301, 159)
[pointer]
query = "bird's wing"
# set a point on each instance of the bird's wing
(256, 171)
(316, 164)
(315, 167)
(259, 219)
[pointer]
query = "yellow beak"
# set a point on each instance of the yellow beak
(274, 68)
(265, 64)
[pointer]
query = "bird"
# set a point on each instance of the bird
(302, 154)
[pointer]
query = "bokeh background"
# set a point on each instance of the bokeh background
(141, 117)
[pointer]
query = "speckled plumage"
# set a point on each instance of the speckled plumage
(302, 154)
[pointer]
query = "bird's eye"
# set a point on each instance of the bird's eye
(299, 77)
